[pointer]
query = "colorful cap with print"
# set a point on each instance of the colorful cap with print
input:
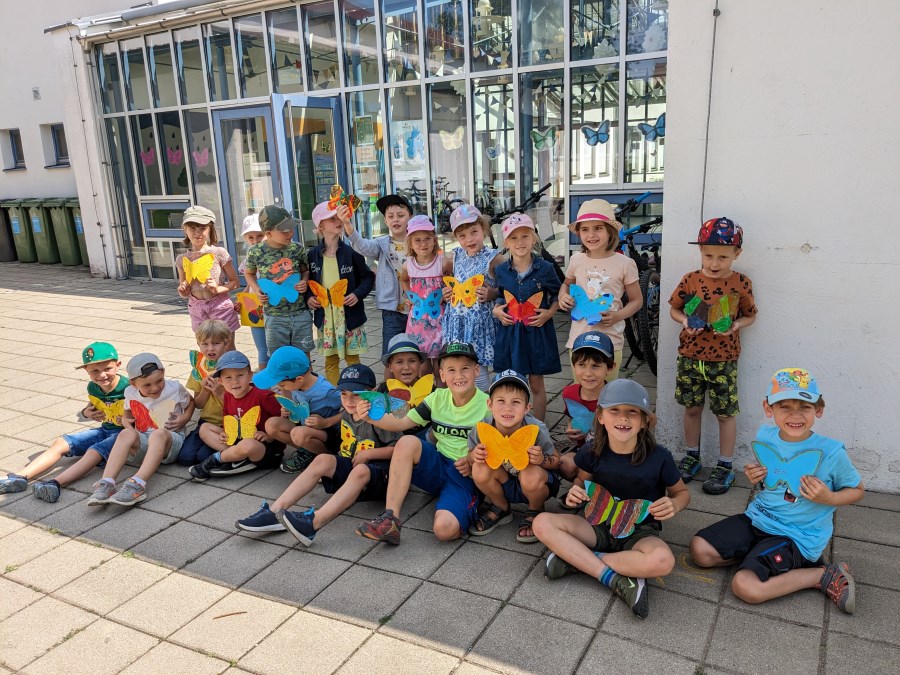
(513, 377)
(357, 377)
(392, 200)
(596, 209)
(419, 224)
(594, 340)
(322, 212)
(793, 383)
(143, 364)
(720, 232)
(97, 352)
(276, 218)
(514, 222)
(401, 343)
(457, 349)
(250, 224)
(463, 215)
(198, 214)
(232, 359)
(286, 363)
(625, 392)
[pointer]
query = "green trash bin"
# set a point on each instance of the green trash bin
(42, 229)
(64, 231)
(7, 248)
(23, 239)
(74, 207)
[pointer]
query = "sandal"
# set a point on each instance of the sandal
(524, 526)
(485, 524)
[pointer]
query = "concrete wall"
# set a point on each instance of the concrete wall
(802, 152)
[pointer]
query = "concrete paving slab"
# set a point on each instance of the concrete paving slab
(78, 518)
(32, 509)
(9, 525)
(29, 633)
(466, 668)
(26, 544)
(505, 537)
(876, 563)
(126, 530)
(863, 524)
(685, 525)
(732, 502)
(234, 561)
(338, 539)
(222, 514)
(555, 597)
(880, 500)
(60, 565)
(383, 655)
(107, 586)
(185, 500)
(9, 445)
(467, 570)
(609, 654)
(15, 597)
(364, 596)
(875, 617)
(689, 579)
(805, 607)
(850, 654)
(269, 486)
(174, 660)
(179, 544)
(419, 556)
(296, 577)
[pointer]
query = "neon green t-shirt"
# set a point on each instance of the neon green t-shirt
(450, 424)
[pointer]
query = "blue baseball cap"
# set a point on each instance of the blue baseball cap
(232, 359)
(401, 343)
(793, 383)
(594, 340)
(510, 376)
(356, 377)
(286, 363)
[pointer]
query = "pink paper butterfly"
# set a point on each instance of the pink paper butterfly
(201, 157)
(149, 157)
(174, 155)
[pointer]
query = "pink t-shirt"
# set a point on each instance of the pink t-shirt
(221, 257)
(598, 276)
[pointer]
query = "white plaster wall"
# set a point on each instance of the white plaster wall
(803, 153)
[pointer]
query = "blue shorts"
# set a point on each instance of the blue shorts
(376, 488)
(294, 330)
(99, 440)
(456, 493)
(392, 323)
(512, 489)
(194, 450)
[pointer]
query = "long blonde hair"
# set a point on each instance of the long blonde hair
(434, 251)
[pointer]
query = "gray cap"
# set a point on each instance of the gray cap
(143, 364)
(625, 392)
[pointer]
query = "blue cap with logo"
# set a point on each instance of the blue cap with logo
(793, 383)
(233, 359)
(356, 378)
(594, 340)
(510, 376)
(286, 363)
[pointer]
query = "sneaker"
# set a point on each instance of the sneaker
(688, 468)
(232, 468)
(838, 585)
(129, 494)
(261, 521)
(297, 462)
(47, 490)
(384, 528)
(635, 592)
(555, 567)
(103, 492)
(720, 479)
(200, 472)
(13, 483)
(299, 524)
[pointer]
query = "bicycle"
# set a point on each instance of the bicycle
(444, 204)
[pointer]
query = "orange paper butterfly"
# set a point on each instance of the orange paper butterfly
(330, 296)
(146, 419)
(338, 197)
(513, 449)
(522, 311)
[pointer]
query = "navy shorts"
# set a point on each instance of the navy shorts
(456, 493)
(512, 489)
(376, 488)
(99, 440)
(194, 450)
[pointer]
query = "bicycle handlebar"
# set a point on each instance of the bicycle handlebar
(643, 227)
(630, 205)
(532, 199)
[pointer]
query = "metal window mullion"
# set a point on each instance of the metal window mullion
(513, 71)
(137, 191)
(623, 106)
(379, 42)
(270, 62)
(182, 118)
(467, 39)
(385, 134)
(204, 65)
(566, 119)
(301, 31)
(232, 36)
(339, 42)
(423, 68)
(146, 54)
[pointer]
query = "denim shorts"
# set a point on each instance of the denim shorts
(456, 493)
(392, 323)
(294, 330)
(99, 440)
(144, 439)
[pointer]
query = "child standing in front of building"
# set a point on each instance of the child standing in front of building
(200, 271)
(252, 235)
(712, 304)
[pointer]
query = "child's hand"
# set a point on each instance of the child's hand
(482, 293)
(662, 508)
(576, 496)
(285, 412)
(755, 472)
(446, 294)
(261, 437)
(610, 319)
(301, 286)
(736, 325)
(263, 298)
(566, 301)
(315, 422)
(479, 453)
(575, 436)
(173, 423)
(212, 284)
(350, 300)
(500, 314)
(211, 383)
(343, 214)
(237, 306)
(223, 438)
(362, 410)
(540, 317)
(184, 289)
(535, 455)
(815, 490)
(313, 303)
(462, 465)
(361, 457)
(93, 414)
(687, 327)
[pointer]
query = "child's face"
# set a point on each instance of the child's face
(291, 385)
(151, 386)
(253, 238)
(622, 422)
(104, 373)
(396, 217)
(458, 373)
(794, 418)
(471, 237)
(350, 400)
(717, 260)
(509, 406)
(520, 242)
(213, 348)
(278, 238)
(331, 226)
(422, 243)
(236, 381)
(594, 235)
(590, 374)
(405, 367)
(198, 234)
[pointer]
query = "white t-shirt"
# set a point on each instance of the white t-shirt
(173, 400)
(598, 276)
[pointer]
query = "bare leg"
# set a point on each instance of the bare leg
(407, 454)
(538, 396)
(126, 443)
(212, 436)
(280, 429)
(727, 435)
(533, 480)
(446, 526)
(747, 586)
(345, 497)
(157, 448)
(309, 439)
(692, 417)
(489, 481)
(248, 448)
(650, 557)
(88, 461)
(705, 555)
(570, 537)
(302, 485)
(47, 459)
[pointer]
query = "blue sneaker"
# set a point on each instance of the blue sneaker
(720, 479)
(688, 468)
(299, 524)
(13, 483)
(47, 490)
(261, 521)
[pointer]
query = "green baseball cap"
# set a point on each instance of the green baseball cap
(97, 352)
(276, 218)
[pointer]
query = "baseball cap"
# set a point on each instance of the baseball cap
(399, 344)
(322, 212)
(514, 222)
(596, 209)
(793, 383)
(356, 378)
(462, 215)
(250, 224)
(233, 359)
(392, 200)
(97, 352)
(457, 349)
(198, 214)
(143, 364)
(594, 340)
(286, 363)
(276, 218)
(510, 376)
(419, 224)
(720, 232)
(625, 392)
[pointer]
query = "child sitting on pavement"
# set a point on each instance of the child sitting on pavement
(92, 446)
(156, 411)
(358, 472)
(779, 539)
(403, 361)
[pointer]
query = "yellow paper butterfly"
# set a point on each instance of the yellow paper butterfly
(348, 441)
(414, 394)
(111, 411)
(453, 140)
(513, 449)
(464, 291)
(199, 270)
(338, 197)
(326, 296)
(240, 427)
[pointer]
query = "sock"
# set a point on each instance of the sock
(217, 457)
(55, 482)
(139, 481)
(111, 481)
(608, 575)
(725, 461)
(694, 452)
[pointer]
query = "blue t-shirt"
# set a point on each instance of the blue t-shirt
(323, 398)
(807, 523)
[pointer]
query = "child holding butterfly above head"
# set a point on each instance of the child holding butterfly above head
(252, 235)
(528, 286)
(106, 396)
(200, 271)
(779, 539)
(357, 472)
(631, 485)
(597, 278)
(339, 282)
(156, 412)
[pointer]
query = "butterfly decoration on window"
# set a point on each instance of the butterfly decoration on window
(619, 515)
(415, 145)
(148, 420)
(299, 410)
(453, 140)
(382, 404)
(464, 291)
(112, 412)
(201, 367)
(350, 445)
(198, 270)
(330, 296)
(148, 157)
(512, 449)
(522, 311)
(251, 310)
(429, 306)
(655, 131)
(582, 418)
(241, 426)
(544, 140)
(588, 309)
(413, 395)
(283, 291)
(493, 152)
(718, 315)
(339, 197)
(175, 156)
(201, 157)
(598, 135)
(786, 472)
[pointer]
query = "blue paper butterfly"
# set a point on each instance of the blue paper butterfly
(281, 291)
(430, 305)
(414, 144)
(653, 131)
(299, 410)
(493, 152)
(598, 135)
(786, 472)
(381, 403)
(587, 309)
(582, 418)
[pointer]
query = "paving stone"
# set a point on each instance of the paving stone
(383, 655)
(180, 544)
(114, 582)
(555, 597)
(296, 577)
(78, 518)
(270, 486)
(15, 597)
(875, 617)
(870, 563)
(466, 668)
(419, 556)
(505, 537)
(857, 522)
(609, 654)
(300, 640)
(34, 404)
(880, 500)
(60, 565)
(222, 514)
(806, 607)
(685, 525)
(453, 629)
(129, 528)
(174, 660)
(26, 544)
(29, 632)
(9, 525)
(185, 500)
(687, 578)
(9, 445)
(234, 561)
(32, 509)
(364, 596)
(467, 570)
(521, 641)
(339, 540)
(850, 654)
(732, 502)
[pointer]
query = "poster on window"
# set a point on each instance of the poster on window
(408, 150)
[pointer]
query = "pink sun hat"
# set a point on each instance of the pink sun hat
(419, 224)
(514, 222)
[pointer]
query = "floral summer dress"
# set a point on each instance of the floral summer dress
(333, 338)
(424, 322)
(475, 325)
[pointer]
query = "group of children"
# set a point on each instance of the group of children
(436, 422)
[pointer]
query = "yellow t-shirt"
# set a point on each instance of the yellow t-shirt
(212, 411)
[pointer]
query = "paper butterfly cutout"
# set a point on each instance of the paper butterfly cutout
(522, 311)
(582, 418)
(330, 296)
(149, 157)
(587, 309)
(277, 292)
(111, 411)
(414, 144)
(238, 427)
(493, 152)
(174, 155)
(453, 140)
(652, 132)
(620, 515)
(348, 440)
(717, 315)
(199, 269)
(413, 395)
(544, 140)
(464, 291)
(338, 197)
(430, 305)
(382, 403)
(201, 367)
(201, 157)
(146, 419)
(299, 410)
(513, 449)
(251, 310)
(598, 135)
(786, 472)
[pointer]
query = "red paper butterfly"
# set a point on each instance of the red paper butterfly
(522, 311)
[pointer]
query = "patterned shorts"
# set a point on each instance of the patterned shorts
(693, 379)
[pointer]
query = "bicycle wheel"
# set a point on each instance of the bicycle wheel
(648, 317)
(631, 334)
